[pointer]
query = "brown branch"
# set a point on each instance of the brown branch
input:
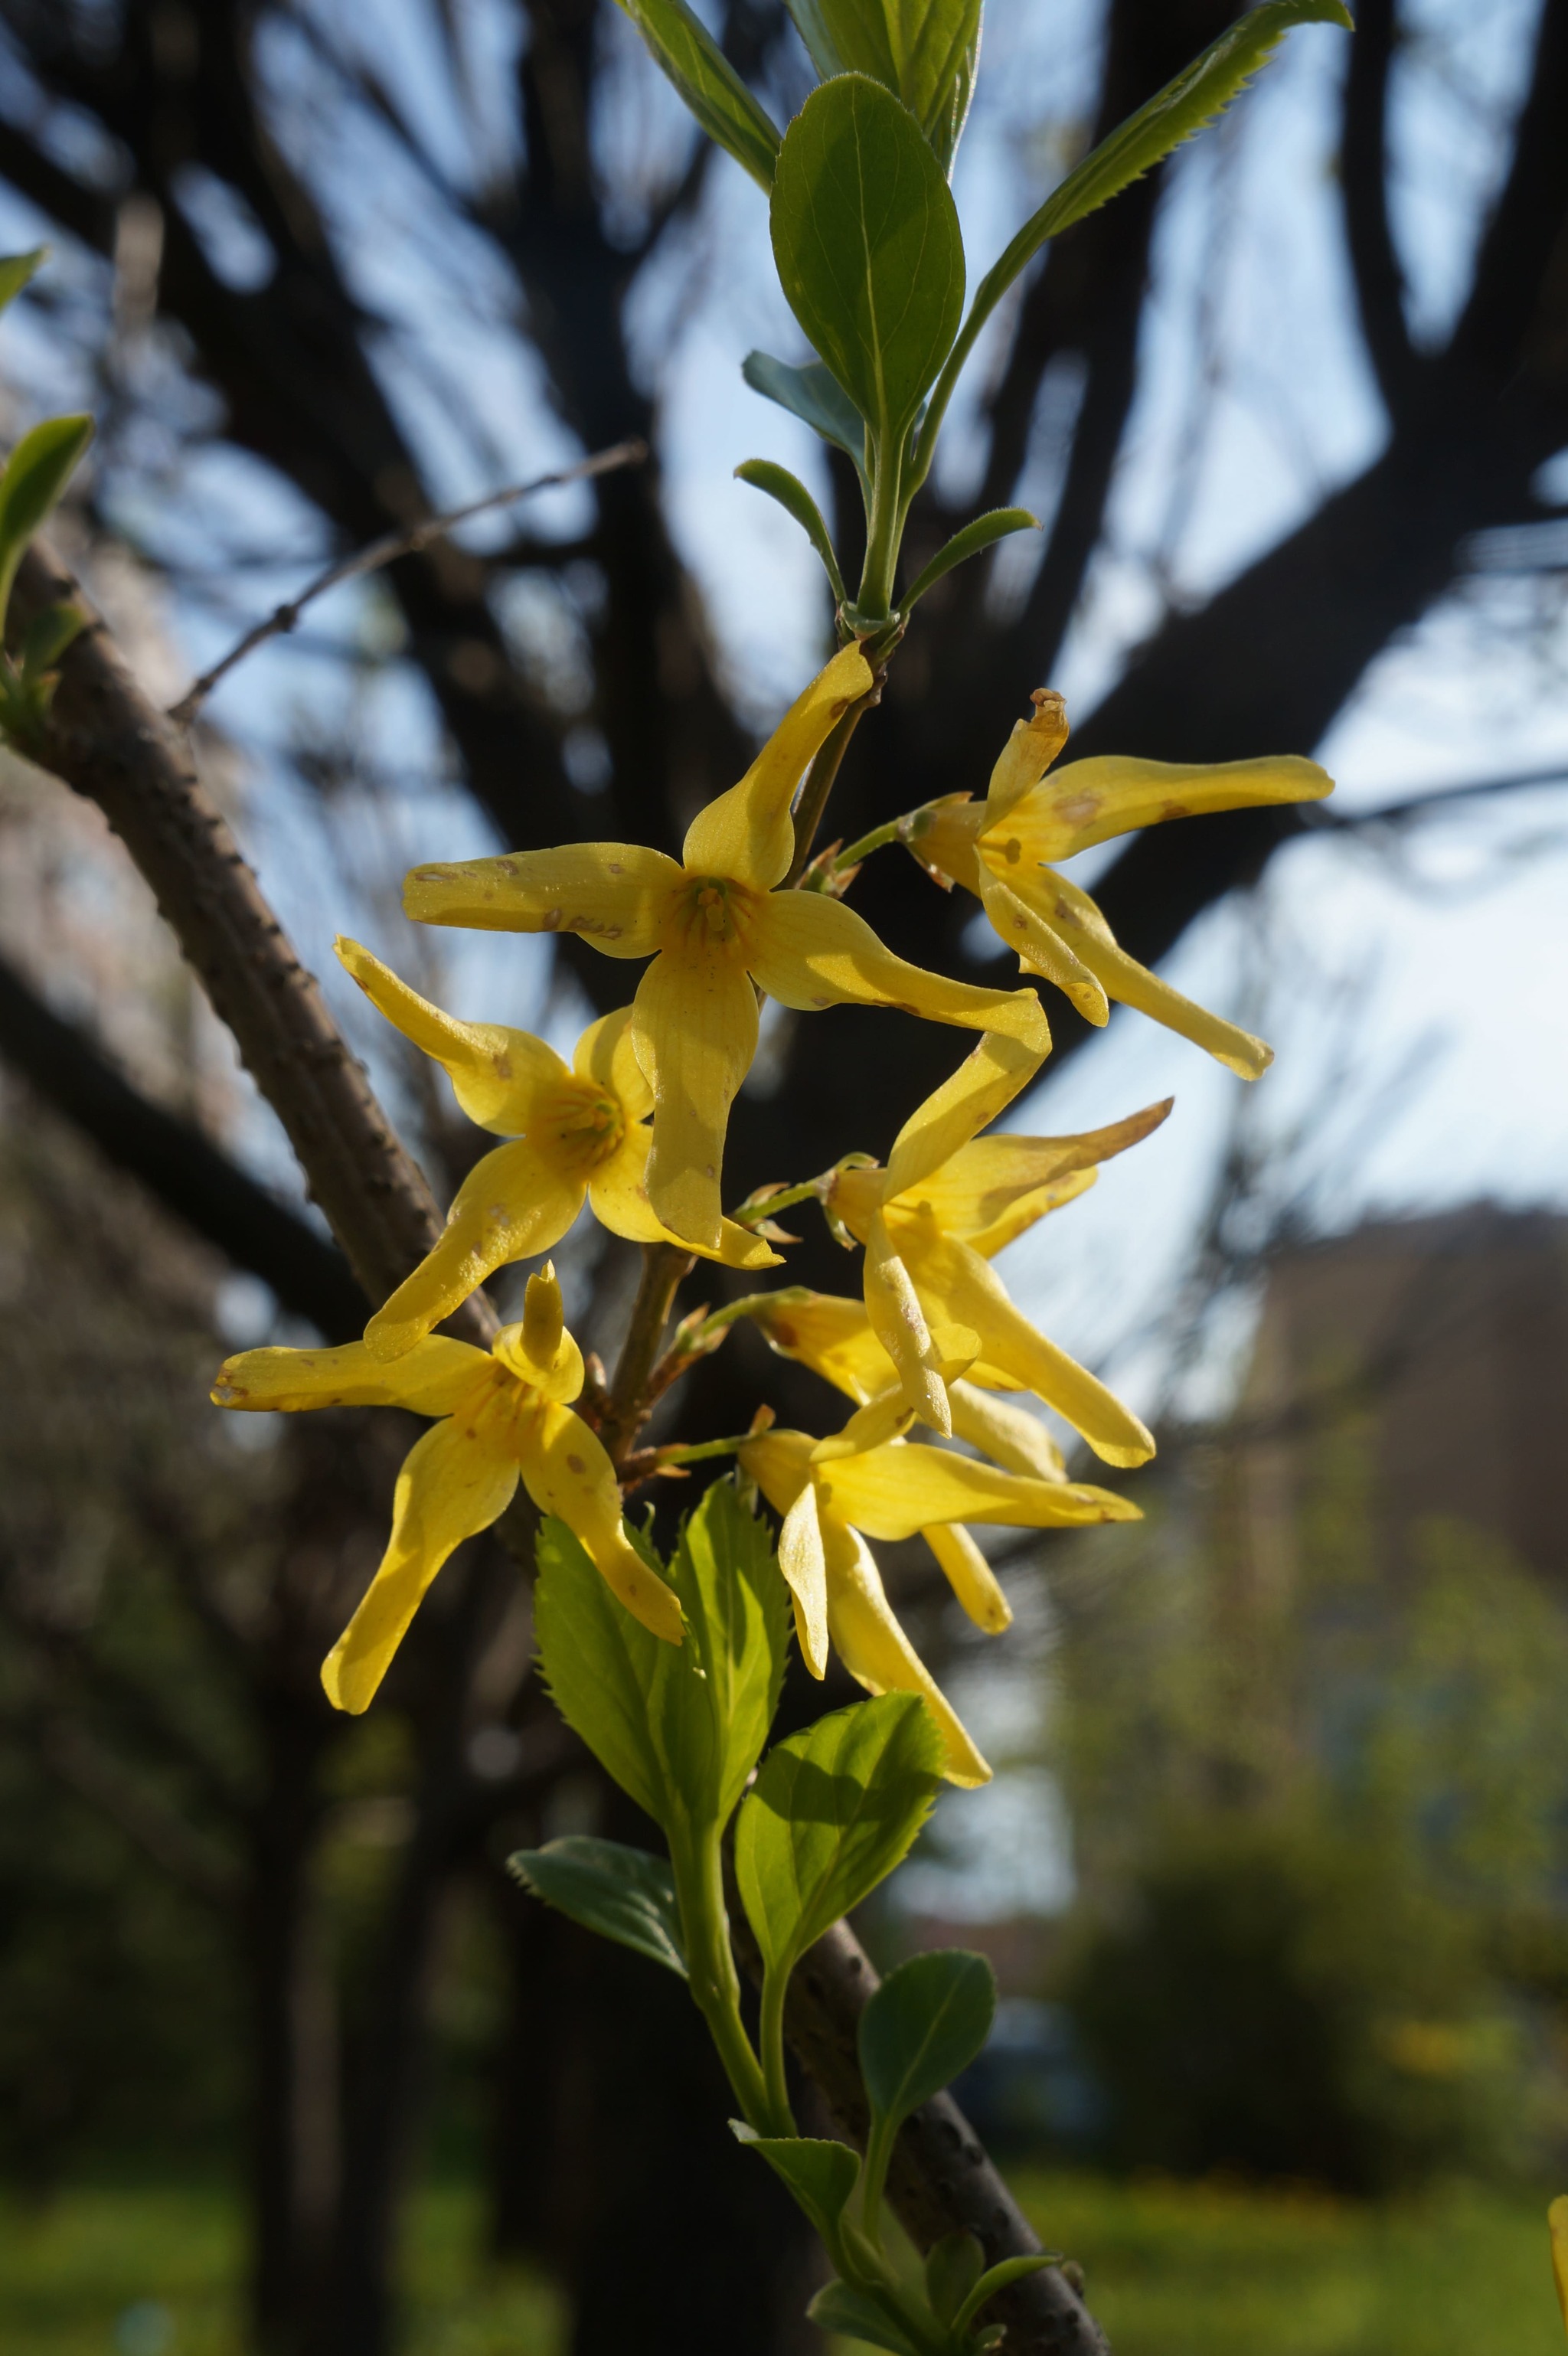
(665, 1268)
(387, 550)
(941, 2180)
(108, 742)
(1369, 237)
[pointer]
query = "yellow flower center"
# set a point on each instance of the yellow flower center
(584, 1123)
(715, 910)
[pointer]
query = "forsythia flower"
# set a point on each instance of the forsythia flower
(931, 1222)
(1000, 849)
(503, 1413)
(831, 1503)
(1557, 2219)
(713, 923)
(575, 1133)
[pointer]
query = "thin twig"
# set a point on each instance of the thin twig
(665, 1266)
(820, 784)
(387, 550)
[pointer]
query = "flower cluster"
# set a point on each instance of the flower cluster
(634, 1126)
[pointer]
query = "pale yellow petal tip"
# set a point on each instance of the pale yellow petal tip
(1251, 1062)
(343, 1688)
(389, 1338)
(225, 1392)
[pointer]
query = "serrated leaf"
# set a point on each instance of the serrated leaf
(973, 541)
(819, 2173)
(738, 1621)
(811, 395)
(36, 473)
(952, 2267)
(867, 241)
(602, 1668)
(1199, 92)
(832, 1812)
(624, 1894)
(922, 50)
(924, 2026)
(797, 500)
(688, 55)
(15, 269)
(856, 2316)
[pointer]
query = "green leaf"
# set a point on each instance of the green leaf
(833, 1811)
(922, 50)
(51, 630)
(797, 500)
(925, 2024)
(821, 2175)
(623, 1893)
(37, 473)
(15, 269)
(1011, 2270)
(974, 538)
(952, 2267)
(867, 242)
(1199, 92)
(811, 395)
(856, 2316)
(679, 1727)
(602, 1668)
(738, 1622)
(688, 54)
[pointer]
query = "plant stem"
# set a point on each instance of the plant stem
(867, 844)
(818, 786)
(664, 1267)
(697, 1862)
(749, 1215)
(770, 2036)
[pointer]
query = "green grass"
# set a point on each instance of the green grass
(1217, 2270)
(1173, 2270)
(154, 2272)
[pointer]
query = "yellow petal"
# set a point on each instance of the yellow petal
(876, 1652)
(619, 1193)
(1027, 754)
(1089, 801)
(809, 952)
(830, 1334)
(983, 1181)
(458, 1479)
(694, 1023)
(618, 895)
(606, 1055)
(898, 1321)
(1557, 2221)
(1021, 1215)
(804, 1568)
(944, 843)
(431, 1379)
(567, 1473)
(895, 1491)
(1134, 985)
(780, 1464)
(1009, 1435)
(747, 832)
(970, 1576)
(984, 1084)
(1040, 949)
(513, 1202)
(498, 1074)
(871, 1425)
(537, 1349)
(956, 1283)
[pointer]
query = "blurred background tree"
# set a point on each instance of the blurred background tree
(1294, 413)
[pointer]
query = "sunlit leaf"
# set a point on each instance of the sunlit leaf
(797, 500)
(687, 52)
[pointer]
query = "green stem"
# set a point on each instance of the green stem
(771, 2037)
(884, 532)
(703, 1448)
(749, 1215)
(818, 786)
(867, 844)
(788, 1296)
(873, 2176)
(698, 1866)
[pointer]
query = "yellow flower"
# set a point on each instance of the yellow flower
(502, 1413)
(1557, 2219)
(1000, 849)
(931, 1222)
(578, 1133)
(832, 1503)
(713, 923)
